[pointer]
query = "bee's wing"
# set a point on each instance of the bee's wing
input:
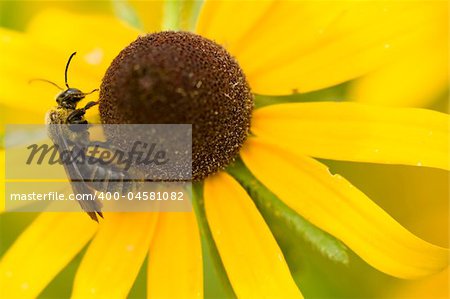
(111, 176)
(91, 207)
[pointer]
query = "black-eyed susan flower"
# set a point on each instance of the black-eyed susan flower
(209, 78)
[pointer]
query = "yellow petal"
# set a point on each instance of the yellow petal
(419, 75)
(415, 80)
(42, 251)
(357, 132)
(114, 257)
(97, 38)
(18, 65)
(433, 287)
(251, 257)
(18, 116)
(334, 205)
(214, 19)
(175, 268)
(309, 45)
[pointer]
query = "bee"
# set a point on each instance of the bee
(68, 129)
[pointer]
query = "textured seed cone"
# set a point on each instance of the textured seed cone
(181, 78)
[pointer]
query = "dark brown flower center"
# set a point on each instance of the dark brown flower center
(181, 78)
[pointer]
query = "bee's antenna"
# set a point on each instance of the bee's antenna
(90, 92)
(44, 80)
(67, 67)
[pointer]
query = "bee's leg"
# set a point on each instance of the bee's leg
(77, 116)
(90, 104)
(76, 121)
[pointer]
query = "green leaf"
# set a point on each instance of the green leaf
(271, 207)
(216, 282)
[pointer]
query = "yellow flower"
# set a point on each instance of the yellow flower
(338, 41)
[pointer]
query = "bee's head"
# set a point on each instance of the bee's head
(69, 98)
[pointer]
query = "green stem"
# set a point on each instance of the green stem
(181, 14)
